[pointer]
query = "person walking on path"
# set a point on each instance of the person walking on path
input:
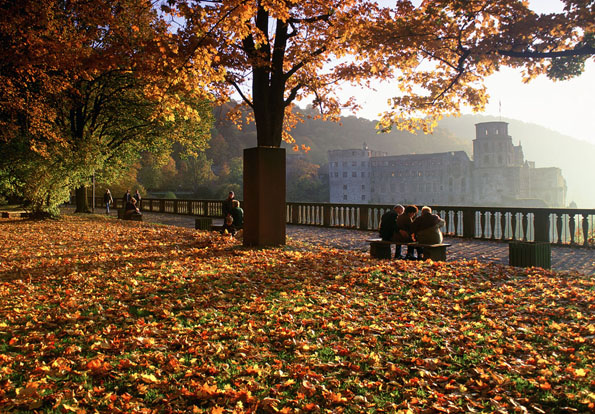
(126, 198)
(228, 204)
(107, 200)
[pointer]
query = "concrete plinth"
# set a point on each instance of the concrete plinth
(264, 196)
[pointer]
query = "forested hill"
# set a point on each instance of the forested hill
(546, 147)
(351, 132)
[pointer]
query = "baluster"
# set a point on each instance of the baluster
(525, 218)
(493, 225)
(559, 227)
(480, 223)
(585, 229)
(513, 219)
(572, 227)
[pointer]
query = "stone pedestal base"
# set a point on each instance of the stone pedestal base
(264, 196)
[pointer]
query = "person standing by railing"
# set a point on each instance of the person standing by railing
(227, 204)
(138, 199)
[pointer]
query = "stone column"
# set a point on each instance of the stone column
(264, 196)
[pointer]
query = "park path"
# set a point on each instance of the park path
(563, 258)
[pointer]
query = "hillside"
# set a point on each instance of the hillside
(546, 147)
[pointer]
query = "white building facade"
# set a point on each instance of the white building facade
(498, 175)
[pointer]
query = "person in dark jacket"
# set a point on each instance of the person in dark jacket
(426, 228)
(127, 196)
(404, 230)
(228, 227)
(130, 209)
(227, 204)
(238, 215)
(388, 226)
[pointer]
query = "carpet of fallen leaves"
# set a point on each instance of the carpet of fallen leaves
(99, 315)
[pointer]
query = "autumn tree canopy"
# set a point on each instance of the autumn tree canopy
(436, 52)
(86, 87)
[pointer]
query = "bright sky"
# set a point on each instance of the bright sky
(565, 106)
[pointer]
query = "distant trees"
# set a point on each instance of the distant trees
(86, 86)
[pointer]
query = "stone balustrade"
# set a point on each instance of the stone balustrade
(559, 226)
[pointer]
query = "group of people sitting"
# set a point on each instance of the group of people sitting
(131, 204)
(233, 214)
(403, 225)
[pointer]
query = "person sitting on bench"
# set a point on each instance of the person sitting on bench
(404, 231)
(426, 228)
(388, 226)
(130, 210)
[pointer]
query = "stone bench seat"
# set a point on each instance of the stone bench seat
(381, 249)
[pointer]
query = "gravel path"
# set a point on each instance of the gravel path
(563, 258)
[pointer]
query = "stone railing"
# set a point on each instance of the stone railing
(554, 225)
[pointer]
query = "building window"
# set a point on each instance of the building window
(354, 174)
(344, 196)
(345, 187)
(363, 196)
(354, 163)
(363, 187)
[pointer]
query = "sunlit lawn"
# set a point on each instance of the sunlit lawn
(100, 315)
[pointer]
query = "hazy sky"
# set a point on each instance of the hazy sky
(564, 106)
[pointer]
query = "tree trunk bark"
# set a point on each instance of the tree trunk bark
(82, 203)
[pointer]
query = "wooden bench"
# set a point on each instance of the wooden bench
(134, 217)
(381, 249)
(14, 214)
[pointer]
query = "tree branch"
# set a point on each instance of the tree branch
(585, 50)
(244, 97)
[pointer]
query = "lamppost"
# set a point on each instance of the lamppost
(93, 199)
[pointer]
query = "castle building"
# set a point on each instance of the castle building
(498, 175)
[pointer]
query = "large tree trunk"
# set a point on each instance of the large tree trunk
(264, 166)
(82, 203)
(264, 170)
